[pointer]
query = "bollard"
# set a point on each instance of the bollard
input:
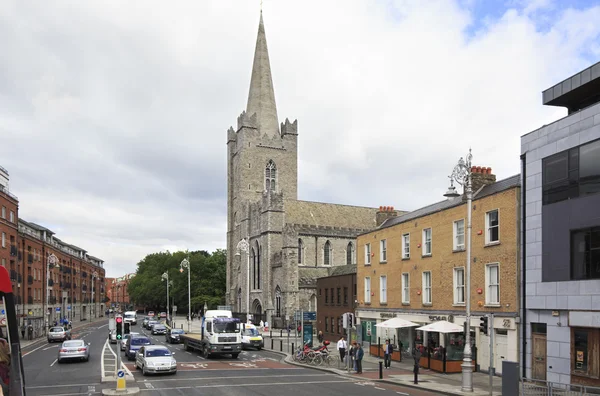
(293, 350)
(280, 345)
(380, 370)
(271, 343)
(416, 371)
(271, 333)
(280, 333)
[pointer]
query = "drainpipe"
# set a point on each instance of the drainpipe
(524, 261)
(316, 251)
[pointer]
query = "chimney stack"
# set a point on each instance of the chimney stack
(480, 177)
(384, 213)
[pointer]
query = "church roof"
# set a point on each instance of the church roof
(342, 270)
(261, 98)
(332, 215)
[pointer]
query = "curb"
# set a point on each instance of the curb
(127, 391)
(44, 339)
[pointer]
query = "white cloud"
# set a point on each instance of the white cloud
(113, 115)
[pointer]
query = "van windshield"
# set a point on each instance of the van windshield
(130, 316)
(230, 327)
(252, 332)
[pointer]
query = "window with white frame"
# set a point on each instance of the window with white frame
(367, 290)
(459, 285)
(492, 227)
(383, 250)
(427, 242)
(367, 253)
(383, 289)
(12, 216)
(406, 288)
(406, 246)
(3, 239)
(3, 212)
(459, 235)
(427, 287)
(492, 284)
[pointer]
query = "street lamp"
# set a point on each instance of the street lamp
(462, 175)
(165, 277)
(94, 276)
(244, 246)
(186, 264)
(52, 260)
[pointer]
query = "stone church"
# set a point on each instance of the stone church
(291, 242)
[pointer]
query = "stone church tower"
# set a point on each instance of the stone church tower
(291, 242)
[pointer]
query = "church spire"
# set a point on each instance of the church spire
(261, 99)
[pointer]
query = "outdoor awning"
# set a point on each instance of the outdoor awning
(396, 323)
(442, 326)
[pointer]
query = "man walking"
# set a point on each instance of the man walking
(359, 357)
(387, 354)
(341, 346)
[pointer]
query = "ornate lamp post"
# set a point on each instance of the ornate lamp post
(462, 175)
(94, 276)
(51, 262)
(186, 264)
(165, 277)
(244, 246)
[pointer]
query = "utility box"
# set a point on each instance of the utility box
(510, 378)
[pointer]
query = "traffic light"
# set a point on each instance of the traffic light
(119, 321)
(348, 320)
(483, 324)
(127, 328)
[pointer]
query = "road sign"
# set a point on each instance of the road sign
(30, 312)
(174, 308)
(121, 373)
(57, 309)
(307, 315)
(121, 380)
(3, 312)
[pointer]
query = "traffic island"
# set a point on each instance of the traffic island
(128, 391)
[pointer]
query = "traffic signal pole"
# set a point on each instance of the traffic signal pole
(491, 332)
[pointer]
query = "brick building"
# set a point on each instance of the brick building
(413, 267)
(336, 296)
(117, 291)
(35, 257)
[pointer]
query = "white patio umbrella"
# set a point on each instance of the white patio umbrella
(442, 326)
(396, 323)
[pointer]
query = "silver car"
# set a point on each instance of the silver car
(73, 349)
(59, 334)
(155, 359)
(159, 329)
(112, 336)
(124, 341)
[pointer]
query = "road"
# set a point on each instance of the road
(253, 373)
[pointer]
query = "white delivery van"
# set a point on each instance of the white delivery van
(130, 317)
(251, 337)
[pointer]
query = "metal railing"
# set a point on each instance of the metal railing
(546, 388)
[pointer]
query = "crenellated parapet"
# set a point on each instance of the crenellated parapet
(329, 231)
(248, 121)
(231, 135)
(289, 128)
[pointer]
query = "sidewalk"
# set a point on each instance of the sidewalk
(400, 373)
(76, 325)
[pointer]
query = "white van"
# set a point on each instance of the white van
(251, 337)
(130, 317)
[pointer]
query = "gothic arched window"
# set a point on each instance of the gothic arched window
(239, 300)
(253, 261)
(270, 176)
(350, 254)
(300, 249)
(327, 253)
(278, 301)
(257, 274)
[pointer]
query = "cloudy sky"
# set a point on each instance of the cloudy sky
(113, 114)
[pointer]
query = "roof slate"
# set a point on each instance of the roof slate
(326, 214)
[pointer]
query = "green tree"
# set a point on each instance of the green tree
(207, 280)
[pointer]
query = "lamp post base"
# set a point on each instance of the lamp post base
(467, 376)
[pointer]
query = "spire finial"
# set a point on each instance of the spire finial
(261, 1)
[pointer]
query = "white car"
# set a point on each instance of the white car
(125, 337)
(155, 359)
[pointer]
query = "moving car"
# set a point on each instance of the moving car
(74, 349)
(130, 317)
(59, 334)
(159, 329)
(134, 343)
(125, 337)
(112, 336)
(145, 321)
(151, 314)
(163, 315)
(251, 337)
(155, 359)
(172, 336)
(151, 324)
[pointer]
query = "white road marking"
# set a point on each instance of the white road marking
(102, 326)
(55, 360)
(402, 393)
(247, 385)
(102, 360)
(235, 377)
(58, 386)
(149, 385)
(50, 347)
(378, 388)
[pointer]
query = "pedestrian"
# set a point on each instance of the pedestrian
(387, 353)
(266, 326)
(353, 350)
(320, 337)
(23, 331)
(30, 331)
(359, 357)
(262, 325)
(342, 345)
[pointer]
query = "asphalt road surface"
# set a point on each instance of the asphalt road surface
(253, 373)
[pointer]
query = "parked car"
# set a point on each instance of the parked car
(59, 334)
(172, 335)
(74, 349)
(155, 359)
(112, 336)
(159, 329)
(134, 343)
(125, 337)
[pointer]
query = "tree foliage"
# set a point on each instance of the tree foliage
(207, 280)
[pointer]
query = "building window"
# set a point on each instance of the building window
(459, 235)
(4, 212)
(368, 254)
(405, 288)
(4, 263)
(492, 228)
(300, 250)
(327, 253)
(367, 290)
(12, 216)
(332, 325)
(278, 301)
(339, 295)
(571, 173)
(427, 242)
(427, 287)
(383, 250)
(406, 246)
(492, 284)
(326, 296)
(345, 295)
(326, 324)
(270, 176)
(383, 289)
(459, 285)
(350, 254)
(3, 239)
(585, 253)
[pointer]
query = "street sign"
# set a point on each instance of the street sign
(30, 312)
(121, 380)
(69, 308)
(307, 315)
(307, 335)
(174, 308)
(3, 312)
(57, 309)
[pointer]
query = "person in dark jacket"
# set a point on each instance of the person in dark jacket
(387, 354)
(359, 357)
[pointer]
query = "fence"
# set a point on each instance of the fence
(547, 388)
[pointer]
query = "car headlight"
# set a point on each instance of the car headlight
(173, 362)
(150, 364)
